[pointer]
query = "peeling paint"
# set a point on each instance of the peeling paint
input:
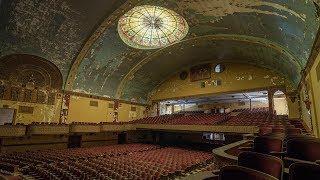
(218, 8)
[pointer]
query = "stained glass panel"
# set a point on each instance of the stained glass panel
(151, 27)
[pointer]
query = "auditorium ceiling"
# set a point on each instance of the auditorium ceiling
(82, 39)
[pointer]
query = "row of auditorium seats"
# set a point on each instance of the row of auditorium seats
(297, 171)
(261, 109)
(190, 112)
(131, 161)
(48, 156)
(262, 119)
(266, 122)
(199, 119)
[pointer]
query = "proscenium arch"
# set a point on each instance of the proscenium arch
(194, 42)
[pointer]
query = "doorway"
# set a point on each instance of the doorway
(74, 141)
(122, 138)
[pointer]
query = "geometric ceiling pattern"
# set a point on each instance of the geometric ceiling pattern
(83, 41)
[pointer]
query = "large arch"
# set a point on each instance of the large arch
(107, 67)
(215, 49)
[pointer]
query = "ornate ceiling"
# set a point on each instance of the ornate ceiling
(81, 38)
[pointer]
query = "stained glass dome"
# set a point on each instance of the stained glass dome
(151, 27)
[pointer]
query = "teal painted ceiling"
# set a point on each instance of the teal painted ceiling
(275, 34)
(52, 29)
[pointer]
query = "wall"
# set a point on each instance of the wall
(235, 105)
(235, 78)
(81, 111)
(281, 106)
(293, 107)
(315, 85)
(312, 83)
(41, 112)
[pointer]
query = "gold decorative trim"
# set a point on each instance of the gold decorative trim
(12, 131)
(47, 129)
(79, 128)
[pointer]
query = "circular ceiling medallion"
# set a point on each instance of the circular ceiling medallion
(151, 27)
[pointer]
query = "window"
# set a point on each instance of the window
(25, 109)
(151, 27)
(219, 68)
(111, 105)
(133, 108)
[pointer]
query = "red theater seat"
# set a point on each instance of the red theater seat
(306, 149)
(242, 173)
(261, 162)
(304, 171)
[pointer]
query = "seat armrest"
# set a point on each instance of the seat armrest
(250, 144)
(214, 177)
(278, 154)
(216, 171)
(245, 148)
(293, 160)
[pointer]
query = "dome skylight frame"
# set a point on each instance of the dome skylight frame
(151, 27)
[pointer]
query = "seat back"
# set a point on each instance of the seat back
(261, 162)
(278, 130)
(307, 149)
(242, 173)
(291, 131)
(265, 131)
(298, 136)
(298, 171)
(265, 145)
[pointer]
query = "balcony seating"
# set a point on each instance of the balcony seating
(261, 109)
(199, 119)
(242, 173)
(179, 119)
(301, 171)
(266, 145)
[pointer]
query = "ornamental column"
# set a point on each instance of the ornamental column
(271, 102)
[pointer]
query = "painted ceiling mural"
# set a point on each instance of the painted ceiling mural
(276, 34)
(52, 29)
